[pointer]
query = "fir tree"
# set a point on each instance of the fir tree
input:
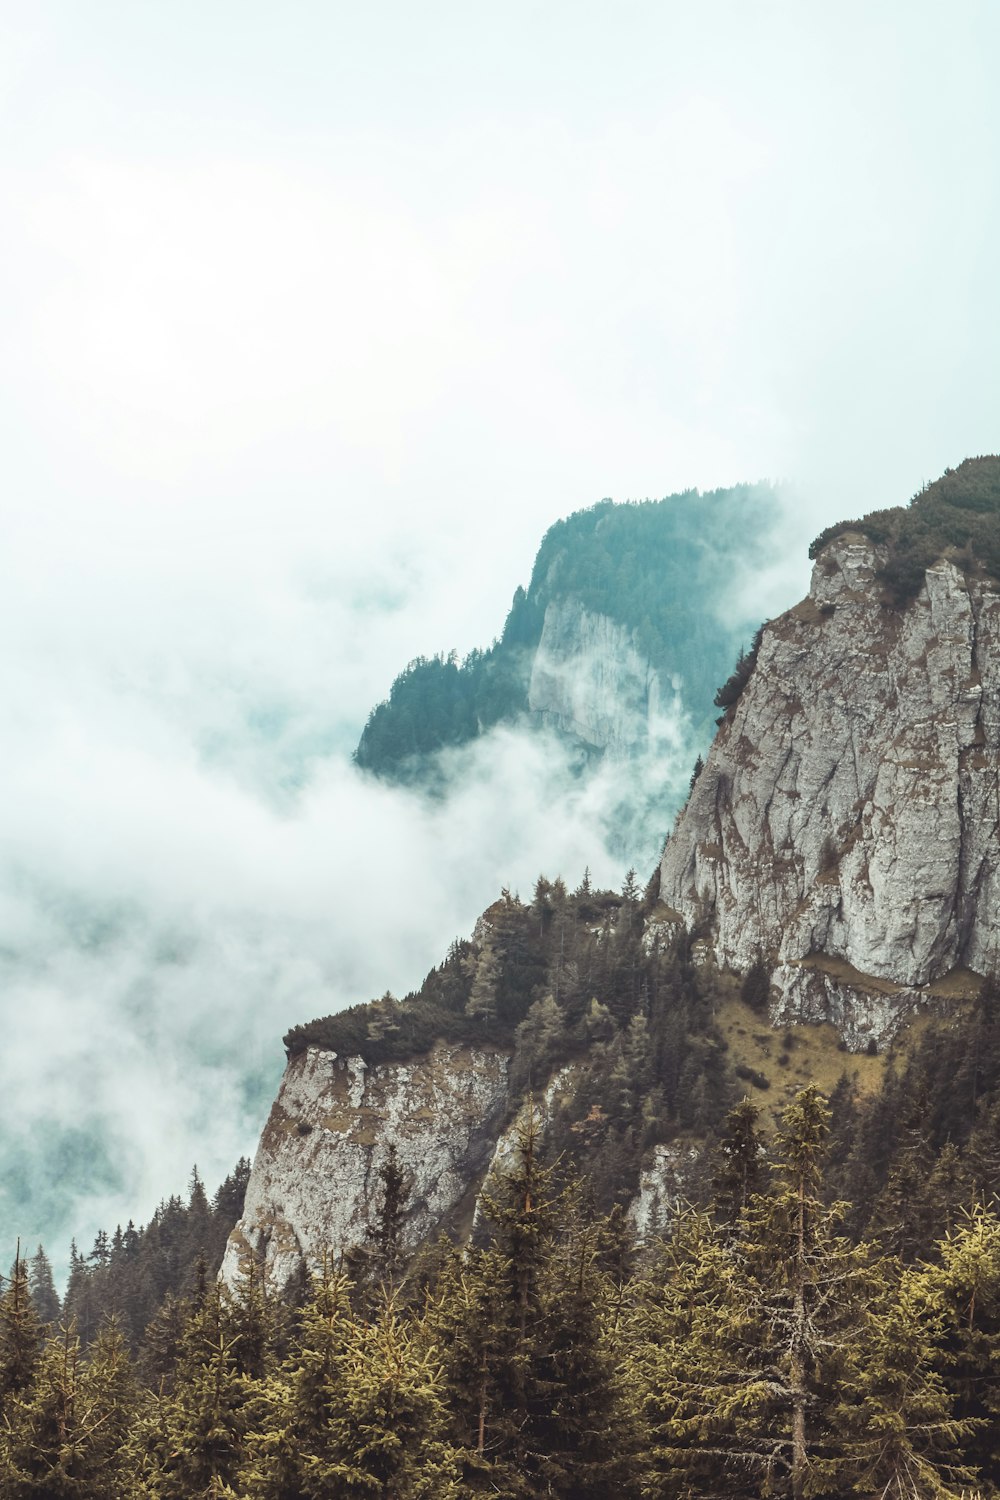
(43, 1289)
(741, 1161)
(194, 1444)
(899, 1435)
(20, 1335)
(385, 1235)
(69, 1438)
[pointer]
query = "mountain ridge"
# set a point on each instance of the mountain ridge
(629, 988)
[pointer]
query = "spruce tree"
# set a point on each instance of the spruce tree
(194, 1444)
(385, 1234)
(899, 1434)
(739, 1175)
(20, 1335)
(68, 1438)
(754, 1331)
(964, 1283)
(43, 1290)
(291, 1451)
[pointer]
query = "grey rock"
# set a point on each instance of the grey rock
(845, 826)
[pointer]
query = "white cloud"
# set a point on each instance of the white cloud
(312, 322)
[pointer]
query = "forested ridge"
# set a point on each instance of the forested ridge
(820, 1316)
(662, 568)
(759, 1350)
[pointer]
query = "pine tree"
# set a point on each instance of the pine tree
(20, 1335)
(43, 1289)
(195, 1443)
(741, 1161)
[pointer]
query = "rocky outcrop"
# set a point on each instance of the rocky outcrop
(314, 1184)
(845, 826)
(314, 1187)
(589, 679)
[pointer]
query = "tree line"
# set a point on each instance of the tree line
(756, 1350)
(656, 566)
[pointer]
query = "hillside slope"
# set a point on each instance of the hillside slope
(621, 626)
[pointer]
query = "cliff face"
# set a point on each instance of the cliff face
(845, 827)
(589, 679)
(314, 1184)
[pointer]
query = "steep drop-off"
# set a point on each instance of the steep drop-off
(315, 1179)
(842, 843)
(844, 831)
(628, 618)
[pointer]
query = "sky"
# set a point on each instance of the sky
(313, 318)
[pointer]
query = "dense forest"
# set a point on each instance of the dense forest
(663, 568)
(956, 515)
(569, 975)
(819, 1316)
(760, 1349)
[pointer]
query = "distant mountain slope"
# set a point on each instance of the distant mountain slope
(621, 627)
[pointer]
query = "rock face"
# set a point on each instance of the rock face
(845, 826)
(314, 1186)
(315, 1181)
(589, 679)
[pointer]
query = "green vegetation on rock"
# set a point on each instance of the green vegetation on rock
(956, 515)
(664, 569)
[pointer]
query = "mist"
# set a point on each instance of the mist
(313, 321)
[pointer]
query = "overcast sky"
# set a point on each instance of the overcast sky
(313, 317)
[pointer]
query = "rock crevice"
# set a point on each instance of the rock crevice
(848, 807)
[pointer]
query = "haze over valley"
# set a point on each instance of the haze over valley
(313, 327)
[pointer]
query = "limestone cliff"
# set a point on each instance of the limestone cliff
(590, 679)
(315, 1175)
(845, 826)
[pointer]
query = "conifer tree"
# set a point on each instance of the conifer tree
(385, 1235)
(484, 968)
(527, 1325)
(900, 1436)
(43, 1290)
(20, 1335)
(67, 1439)
(964, 1282)
(194, 1443)
(390, 1431)
(357, 1410)
(741, 1161)
(291, 1451)
(756, 1328)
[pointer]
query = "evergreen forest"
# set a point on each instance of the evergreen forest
(818, 1315)
(761, 1349)
(664, 569)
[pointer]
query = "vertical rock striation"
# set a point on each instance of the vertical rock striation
(845, 827)
(590, 679)
(314, 1184)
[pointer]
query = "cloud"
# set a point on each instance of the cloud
(309, 331)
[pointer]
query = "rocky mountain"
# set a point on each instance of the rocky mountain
(837, 863)
(627, 624)
(844, 831)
